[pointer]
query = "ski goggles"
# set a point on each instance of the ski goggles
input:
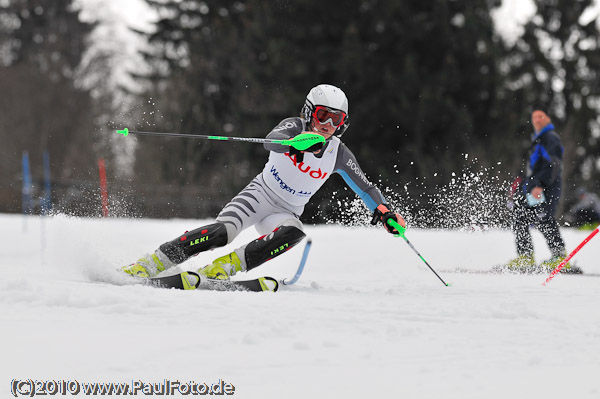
(324, 114)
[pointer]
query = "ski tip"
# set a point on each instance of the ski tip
(190, 283)
(268, 284)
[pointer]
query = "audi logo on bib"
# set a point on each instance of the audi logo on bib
(315, 174)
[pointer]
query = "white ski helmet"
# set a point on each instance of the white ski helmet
(331, 104)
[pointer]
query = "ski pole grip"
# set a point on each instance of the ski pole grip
(397, 226)
(304, 141)
(124, 132)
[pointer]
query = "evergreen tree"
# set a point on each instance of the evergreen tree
(42, 109)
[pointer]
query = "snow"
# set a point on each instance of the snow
(366, 319)
(510, 17)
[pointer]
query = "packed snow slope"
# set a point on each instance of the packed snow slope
(366, 320)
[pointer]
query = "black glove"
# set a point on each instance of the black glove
(383, 214)
(314, 148)
(299, 154)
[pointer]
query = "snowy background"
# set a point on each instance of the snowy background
(367, 318)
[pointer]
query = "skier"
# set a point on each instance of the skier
(537, 198)
(275, 199)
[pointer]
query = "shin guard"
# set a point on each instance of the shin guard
(271, 245)
(194, 242)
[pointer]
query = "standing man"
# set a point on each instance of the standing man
(538, 197)
(274, 200)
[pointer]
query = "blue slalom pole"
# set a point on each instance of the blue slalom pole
(301, 266)
(26, 202)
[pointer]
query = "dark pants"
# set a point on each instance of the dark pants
(541, 217)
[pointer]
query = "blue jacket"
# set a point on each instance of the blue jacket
(544, 166)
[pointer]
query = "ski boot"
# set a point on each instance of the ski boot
(552, 263)
(148, 265)
(222, 268)
(520, 264)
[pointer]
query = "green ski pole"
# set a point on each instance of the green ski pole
(301, 142)
(401, 231)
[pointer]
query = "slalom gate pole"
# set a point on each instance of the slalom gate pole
(47, 199)
(401, 231)
(293, 280)
(26, 189)
(568, 258)
(301, 143)
(103, 186)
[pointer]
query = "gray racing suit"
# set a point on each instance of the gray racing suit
(274, 201)
(278, 194)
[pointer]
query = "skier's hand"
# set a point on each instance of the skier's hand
(382, 213)
(299, 149)
(537, 192)
(297, 153)
(314, 141)
(315, 148)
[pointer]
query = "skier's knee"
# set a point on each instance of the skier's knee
(195, 241)
(292, 222)
(230, 227)
(269, 246)
(231, 231)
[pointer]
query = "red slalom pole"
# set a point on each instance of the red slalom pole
(568, 258)
(103, 189)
